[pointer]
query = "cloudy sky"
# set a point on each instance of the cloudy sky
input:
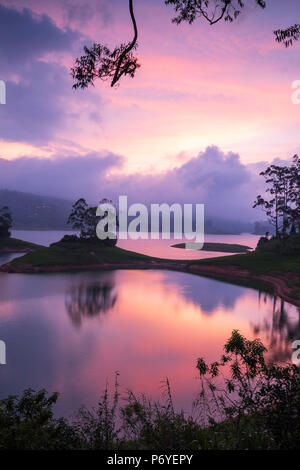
(209, 105)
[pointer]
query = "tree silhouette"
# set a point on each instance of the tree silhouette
(211, 10)
(83, 219)
(289, 35)
(77, 216)
(5, 222)
(283, 205)
(90, 300)
(276, 206)
(294, 193)
(280, 331)
(101, 62)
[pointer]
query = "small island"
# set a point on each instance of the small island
(274, 263)
(219, 247)
(280, 271)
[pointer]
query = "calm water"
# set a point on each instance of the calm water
(71, 332)
(160, 248)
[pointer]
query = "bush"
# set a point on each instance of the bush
(69, 239)
(256, 407)
(28, 423)
(259, 407)
(289, 245)
(86, 241)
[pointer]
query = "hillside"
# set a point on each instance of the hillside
(33, 212)
(36, 212)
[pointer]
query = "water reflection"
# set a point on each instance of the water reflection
(89, 300)
(280, 330)
(209, 294)
(152, 324)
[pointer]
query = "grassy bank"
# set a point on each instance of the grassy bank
(14, 245)
(258, 263)
(84, 254)
(69, 256)
(280, 272)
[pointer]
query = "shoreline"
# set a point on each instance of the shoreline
(232, 273)
(229, 273)
(16, 250)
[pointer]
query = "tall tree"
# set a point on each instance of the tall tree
(283, 207)
(277, 206)
(83, 218)
(77, 216)
(5, 222)
(294, 193)
(90, 223)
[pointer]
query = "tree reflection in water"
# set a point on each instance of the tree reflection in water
(281, 331)
(87, 300)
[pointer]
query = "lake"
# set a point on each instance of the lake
(159, 248)
(69, 332)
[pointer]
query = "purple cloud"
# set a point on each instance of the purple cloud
(25, 37)
(37, 91)
(68, 177)
(219, 180)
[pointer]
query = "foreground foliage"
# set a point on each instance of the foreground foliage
(256, 406)
(287, 245)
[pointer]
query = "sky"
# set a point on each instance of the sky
(208, 109)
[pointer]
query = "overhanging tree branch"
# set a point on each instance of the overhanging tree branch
(212, 11)
(288, 36)
(119, 71)
(212, 20)
(100, 62)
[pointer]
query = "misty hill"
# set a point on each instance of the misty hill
(217, 225)
(33, 212)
